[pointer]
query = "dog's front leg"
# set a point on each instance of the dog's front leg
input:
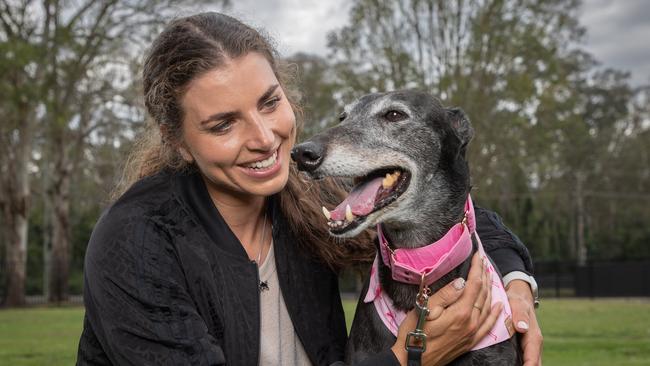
(368, 335)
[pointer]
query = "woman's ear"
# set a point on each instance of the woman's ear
(179, 146)
(185, 154)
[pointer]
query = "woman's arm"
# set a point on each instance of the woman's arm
(453, 325)
(513, 260)
(138, 311)
(503, 246)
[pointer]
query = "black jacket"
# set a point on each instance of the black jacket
(167, 283)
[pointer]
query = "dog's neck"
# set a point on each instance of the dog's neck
(401, 235)
(438, 222)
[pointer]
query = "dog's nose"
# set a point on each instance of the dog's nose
(308, 155)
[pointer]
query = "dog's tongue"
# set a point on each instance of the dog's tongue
(361, 200)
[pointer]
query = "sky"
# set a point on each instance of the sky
(618, 32)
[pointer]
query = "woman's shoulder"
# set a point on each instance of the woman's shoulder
(135, 217)
(148, 192)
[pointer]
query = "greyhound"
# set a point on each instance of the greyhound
(406, 155)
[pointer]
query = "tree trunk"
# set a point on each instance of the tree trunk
(60, 237)
(581, 251)
(15, 217)
(15, 211)
(47, 227)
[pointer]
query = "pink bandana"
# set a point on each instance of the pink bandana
(435, 260)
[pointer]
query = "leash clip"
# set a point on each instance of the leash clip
(416, 340)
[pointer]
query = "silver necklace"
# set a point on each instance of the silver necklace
(259, 255)
(263, 285)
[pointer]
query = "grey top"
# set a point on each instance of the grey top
(279, 343)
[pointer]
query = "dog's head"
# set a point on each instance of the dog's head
(406, 153)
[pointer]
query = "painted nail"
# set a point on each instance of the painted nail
(522, 325)
(459, 283)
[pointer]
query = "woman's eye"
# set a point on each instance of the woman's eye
(222, 127)
(272, 103)
(395, 116)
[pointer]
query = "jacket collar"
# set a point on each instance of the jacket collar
(301, 278)
(193, 194)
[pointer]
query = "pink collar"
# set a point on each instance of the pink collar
(434, 260)
(410, 263)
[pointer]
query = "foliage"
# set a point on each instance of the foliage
(561, 148)
(551, 151)
(70, 106)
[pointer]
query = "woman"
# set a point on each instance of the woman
(217, 254)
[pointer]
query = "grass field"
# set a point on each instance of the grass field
(576, 332)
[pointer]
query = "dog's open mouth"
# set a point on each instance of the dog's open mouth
(371, 193)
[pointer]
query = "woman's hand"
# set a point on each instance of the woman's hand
(460, 315)
(521, 302)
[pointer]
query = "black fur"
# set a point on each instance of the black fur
(429, 142)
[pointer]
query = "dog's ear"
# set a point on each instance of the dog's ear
(461, 126)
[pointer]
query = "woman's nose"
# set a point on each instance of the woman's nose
(262, 136)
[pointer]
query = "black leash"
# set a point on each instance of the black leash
(416, 340)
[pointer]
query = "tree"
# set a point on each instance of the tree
(493, 58)
(69, 68)
(548, 120)
(318, 88)
(22, 68)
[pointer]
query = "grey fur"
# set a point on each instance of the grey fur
(429, 143)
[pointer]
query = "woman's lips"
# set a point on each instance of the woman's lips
(265, 167)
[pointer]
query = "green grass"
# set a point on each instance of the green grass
(594, 333)
(576, 332)
(40, 336)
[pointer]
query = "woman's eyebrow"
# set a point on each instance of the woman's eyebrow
(220, 116)
(234, 114)
(266, 95)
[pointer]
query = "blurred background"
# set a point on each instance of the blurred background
(557, 91)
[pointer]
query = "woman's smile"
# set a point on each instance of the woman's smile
(265, 167)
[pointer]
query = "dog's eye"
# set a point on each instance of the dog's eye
(342, 116)
(395, 116)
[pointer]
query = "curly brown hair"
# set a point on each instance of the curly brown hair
(187, 48)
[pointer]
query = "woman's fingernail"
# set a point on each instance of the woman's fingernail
(459, 283)
(522, 325)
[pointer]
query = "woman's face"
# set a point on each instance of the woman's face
(239, 128)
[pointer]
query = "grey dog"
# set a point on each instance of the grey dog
(410, 136)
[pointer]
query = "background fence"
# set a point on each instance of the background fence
(566, 279)
(555, 278)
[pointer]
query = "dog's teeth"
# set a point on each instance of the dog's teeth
(349, 217)
(326, 213)
(388, 181)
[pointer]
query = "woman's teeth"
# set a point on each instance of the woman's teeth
(263, 164)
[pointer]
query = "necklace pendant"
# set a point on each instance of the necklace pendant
(264, 286)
